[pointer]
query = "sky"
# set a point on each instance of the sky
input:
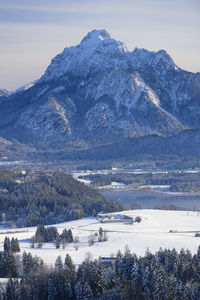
(32, 32)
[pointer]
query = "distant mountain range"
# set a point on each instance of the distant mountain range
(98, 94)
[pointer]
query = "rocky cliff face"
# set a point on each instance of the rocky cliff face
(100, 92)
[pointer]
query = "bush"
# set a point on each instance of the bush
(138, 219)
(91, 240)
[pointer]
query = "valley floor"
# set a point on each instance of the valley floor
(153, 232)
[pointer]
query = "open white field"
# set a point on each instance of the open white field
(152, 232)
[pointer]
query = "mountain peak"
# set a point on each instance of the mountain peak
(96, 35)
(97, 51)
(93, 41)
(100, 41)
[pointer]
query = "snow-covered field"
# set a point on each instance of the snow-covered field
(152, 232)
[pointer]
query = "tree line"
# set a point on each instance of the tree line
(165, 275)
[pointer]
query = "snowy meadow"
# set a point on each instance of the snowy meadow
(158, 228)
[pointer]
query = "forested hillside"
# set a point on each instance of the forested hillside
(29, 200)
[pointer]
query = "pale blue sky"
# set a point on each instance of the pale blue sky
(32, 32)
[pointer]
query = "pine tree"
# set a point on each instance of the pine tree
(12, 290)
(100, 282)
(179, 291)
(58, 264)
(83, 291)
(64, 234)
(51, 289)
(7, 244)
(135, 275)
(198, 255)
(198, 265)
(15, 245)
(158, 284)
(69, 266)
(146, 281)
(70, 236)
(171, 284)
(100, 234)
(69, 289)
(27, 262)
(118, 263)
(127, 264)
(69, 271)
(10, 268)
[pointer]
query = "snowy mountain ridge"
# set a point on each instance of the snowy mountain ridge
(99, 92)
(98, 50)
(25, 87)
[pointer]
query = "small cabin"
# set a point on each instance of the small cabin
(108, 261)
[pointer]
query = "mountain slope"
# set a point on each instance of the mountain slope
(99, 92)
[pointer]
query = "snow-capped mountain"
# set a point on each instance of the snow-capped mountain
(98, 92)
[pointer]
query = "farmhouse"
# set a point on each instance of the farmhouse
(110, 218)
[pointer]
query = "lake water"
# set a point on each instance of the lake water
(152, 199)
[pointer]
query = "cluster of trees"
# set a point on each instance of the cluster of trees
(8, 261)
(101, 236)
(165, 275)
(46, 234)
(185, 186)
(50, 234)
(48, 199)
(11, 245)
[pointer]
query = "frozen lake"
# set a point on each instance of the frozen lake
(151, 199)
